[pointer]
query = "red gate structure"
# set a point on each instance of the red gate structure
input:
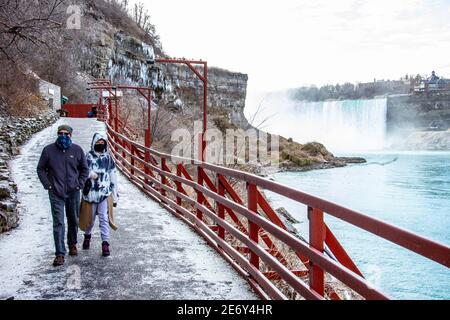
(246, 231)
(77, 110)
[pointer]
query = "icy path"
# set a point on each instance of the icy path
(154, 255)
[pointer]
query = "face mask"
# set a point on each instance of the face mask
(64, 142)
(100, 148)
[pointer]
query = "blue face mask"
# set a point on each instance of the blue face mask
(64, 142)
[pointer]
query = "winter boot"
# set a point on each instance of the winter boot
(87, 242)
(59, 261)
(73, 250)
(105, 249)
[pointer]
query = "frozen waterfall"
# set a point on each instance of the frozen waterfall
(348, 125)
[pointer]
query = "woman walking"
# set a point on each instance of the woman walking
(101, 185)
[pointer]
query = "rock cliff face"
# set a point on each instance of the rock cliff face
(418, 112)
(110, 52)
(419, 121)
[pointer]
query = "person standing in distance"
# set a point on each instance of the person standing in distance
(63, 171)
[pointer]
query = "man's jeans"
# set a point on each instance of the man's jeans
(71, 204)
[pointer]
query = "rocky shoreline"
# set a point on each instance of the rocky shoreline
(14, 132)
(296, 157)
(338, 162)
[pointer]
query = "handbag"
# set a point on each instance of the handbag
(85, 214)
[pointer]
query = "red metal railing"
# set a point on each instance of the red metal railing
(244, 228)
(250, 235)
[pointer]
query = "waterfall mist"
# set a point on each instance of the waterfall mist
(342, 126)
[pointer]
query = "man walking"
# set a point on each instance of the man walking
(63, 170)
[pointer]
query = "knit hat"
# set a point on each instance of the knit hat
(65, 127)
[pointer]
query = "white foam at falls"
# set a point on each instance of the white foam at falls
(347, 125)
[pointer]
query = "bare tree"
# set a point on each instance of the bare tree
(124, 4)
(26, 23)
(163, 125)
(142, 17)
(262, 122)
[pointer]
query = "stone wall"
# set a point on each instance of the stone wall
(13, 133)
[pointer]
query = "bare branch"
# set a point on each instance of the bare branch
(27, 22)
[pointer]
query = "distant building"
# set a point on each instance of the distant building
(432, 83)
(433, 79)
(51, 93)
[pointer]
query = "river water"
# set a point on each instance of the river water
(412, 192)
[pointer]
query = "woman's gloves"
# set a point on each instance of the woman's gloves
(93, 175)
(88, 183)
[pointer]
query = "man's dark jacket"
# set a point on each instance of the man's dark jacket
(63, 171)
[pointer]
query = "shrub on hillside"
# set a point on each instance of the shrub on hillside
(135, 21)
(19, 91)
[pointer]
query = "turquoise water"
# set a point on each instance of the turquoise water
(413, 193)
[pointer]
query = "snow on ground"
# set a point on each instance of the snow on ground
(154, 255)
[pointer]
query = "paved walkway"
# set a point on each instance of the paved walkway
(154, 255)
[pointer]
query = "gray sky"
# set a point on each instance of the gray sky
(289, 43)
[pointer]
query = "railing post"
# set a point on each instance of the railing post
(200, 197)
(316, 240)
(163, 178)
(147, 153)
(116, 111)
(124, 154)
(110, 113)
(220, 207)
(252, 195)
(178, 184)
(132, 160)
(116, 128)
(112, 117)
(149, 119)
(116, 116)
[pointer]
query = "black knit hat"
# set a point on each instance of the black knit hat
(65, 127)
